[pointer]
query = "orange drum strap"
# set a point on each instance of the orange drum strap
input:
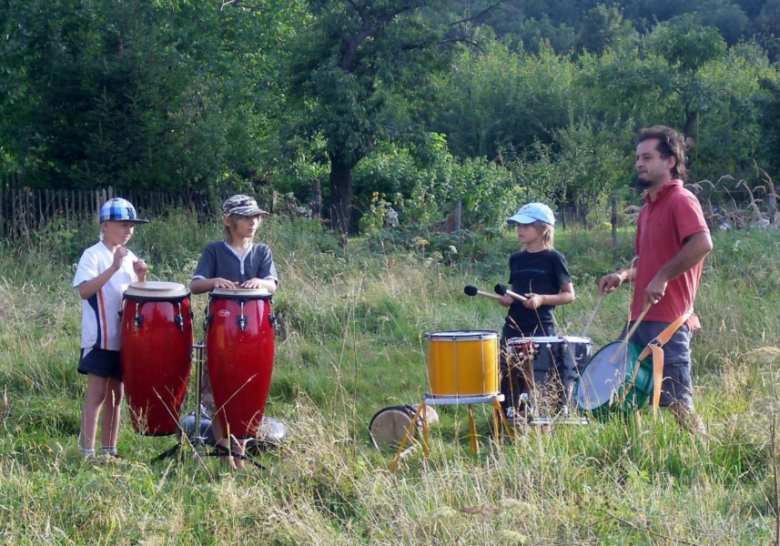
(655, 348)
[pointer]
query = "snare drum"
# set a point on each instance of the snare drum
(240, 355)
(463, 363)
(611, 381)
(155, 354)
(556, 359)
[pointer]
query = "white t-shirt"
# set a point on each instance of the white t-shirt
(100, 321)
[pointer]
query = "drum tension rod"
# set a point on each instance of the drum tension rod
(178, 320)
(242, 318)
(139, 320)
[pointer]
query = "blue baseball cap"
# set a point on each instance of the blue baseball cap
(119, 210)
(533, 212)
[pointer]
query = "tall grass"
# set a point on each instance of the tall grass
(352, 342)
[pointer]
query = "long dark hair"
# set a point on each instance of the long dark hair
(670, 144)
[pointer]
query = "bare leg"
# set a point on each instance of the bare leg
(96, 393)
(236, 445)
(111, 409)
(688, 419)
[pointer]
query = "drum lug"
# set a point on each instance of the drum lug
(178, 320)
(242, 319)
(139, 321)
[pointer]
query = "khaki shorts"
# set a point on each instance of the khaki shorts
(678, 385)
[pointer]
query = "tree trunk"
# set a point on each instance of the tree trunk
(691, 116)
(340, 193)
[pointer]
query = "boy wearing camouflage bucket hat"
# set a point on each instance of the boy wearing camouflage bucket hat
(235, 262)
(104, 272)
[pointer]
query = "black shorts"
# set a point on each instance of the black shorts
(100, 362)
(678, 385)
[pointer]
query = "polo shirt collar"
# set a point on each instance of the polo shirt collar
(662, 191)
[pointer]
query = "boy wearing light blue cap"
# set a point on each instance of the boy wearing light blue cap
(539, 273)
(104, 272)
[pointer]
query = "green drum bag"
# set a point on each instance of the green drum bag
(613, 381)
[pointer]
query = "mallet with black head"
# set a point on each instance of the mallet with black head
(501, 289)
(472, 291)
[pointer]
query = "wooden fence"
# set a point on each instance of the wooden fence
(24, 209)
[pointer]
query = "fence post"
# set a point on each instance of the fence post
(317, 207)
(614, 221)
(2, 210)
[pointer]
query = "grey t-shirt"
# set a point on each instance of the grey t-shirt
(220, 260)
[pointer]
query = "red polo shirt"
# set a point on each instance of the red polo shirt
(662, 228)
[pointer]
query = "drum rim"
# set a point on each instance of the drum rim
(134, 294)
(579, 339)
(406, 409)
(605, 406)
(538, 339)
(468, 335)
(156, 286)
(240, 293)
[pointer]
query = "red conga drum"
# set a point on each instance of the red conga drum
(155, 353)
(240, 356)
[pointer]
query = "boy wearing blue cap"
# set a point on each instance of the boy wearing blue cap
(539, 273)
(104, 272)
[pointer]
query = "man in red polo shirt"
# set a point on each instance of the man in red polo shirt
(672, 240)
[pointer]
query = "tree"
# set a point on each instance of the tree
(770, 126)
(356, 73)
(129, 94)
(603, 26)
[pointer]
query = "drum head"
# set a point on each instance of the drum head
(388, 426)
(605, 375)
(462, 335)
(240, 293)
(157, 290)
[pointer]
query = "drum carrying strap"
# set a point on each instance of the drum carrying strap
(655, 347)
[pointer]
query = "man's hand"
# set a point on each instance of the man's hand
(609, 282)
(655, 291)
(506, 300)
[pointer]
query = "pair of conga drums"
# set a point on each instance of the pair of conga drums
(156, 355)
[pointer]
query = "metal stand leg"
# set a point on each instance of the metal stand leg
(472, 431)
(499, 415)
(198, 441)
(408, 435)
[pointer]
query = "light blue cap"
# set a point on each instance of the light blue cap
(532, 212)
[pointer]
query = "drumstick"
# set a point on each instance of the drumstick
(593, 315)
(501, 289)
(472, 291)
(631, 332)
(638, 322)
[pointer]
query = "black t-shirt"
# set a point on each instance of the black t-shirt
(539, 273)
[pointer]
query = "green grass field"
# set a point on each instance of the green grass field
(353, 342)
